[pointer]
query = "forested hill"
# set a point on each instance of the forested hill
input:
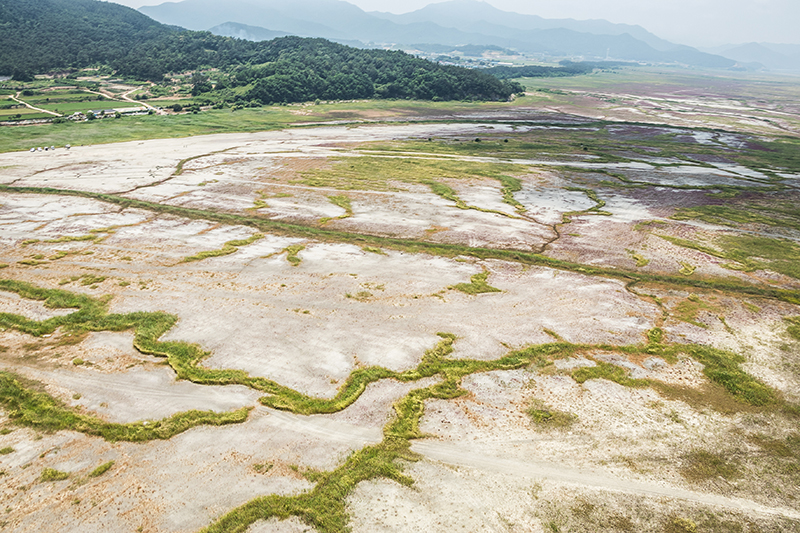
(38, 36)
(41, 35)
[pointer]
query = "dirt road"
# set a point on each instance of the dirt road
(16, 99)
(460, 455)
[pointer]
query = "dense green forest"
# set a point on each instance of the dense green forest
(38, 36)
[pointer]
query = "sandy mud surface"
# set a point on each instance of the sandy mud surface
(306, 306)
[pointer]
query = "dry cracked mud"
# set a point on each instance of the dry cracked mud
(304, 289)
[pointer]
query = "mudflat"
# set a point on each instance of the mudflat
(489, 323)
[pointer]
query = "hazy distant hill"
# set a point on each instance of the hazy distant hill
(305, 18)
(244, 31)
(454, 23)
(785, 57)
(480, 17)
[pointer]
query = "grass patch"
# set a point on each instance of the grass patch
(339, 201)
(641, 261)
(749, 253)
(737, 215)
(262, 468)
(227, 249)
(596, 209)
(343, 202)
(91, 279)
(679, 524)
(648, 225)
(545, 417)
(687, 269)
(510, 186)
(610, 372)
(102, 469)
(447, 192)
(291, 254)
(78, 238)
(688, 309)
(477, 285)
(787, 448)
(793, 329)
(51, 474)
(361, 296)
(372, 173)
(258, 203)
(702, 465)
(723, 368)
(28, 407)
(709, 396)
(7, 450)
(374, 250)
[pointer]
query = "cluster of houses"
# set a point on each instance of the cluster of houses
(103, 113)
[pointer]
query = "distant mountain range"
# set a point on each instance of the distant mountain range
(776, 57)
(452, 23)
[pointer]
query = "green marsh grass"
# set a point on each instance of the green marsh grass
(102, 469)
(477, 285)
(604, 370)
(291, 254)
(641, 261)
(227, 249)
(748, 253)
(51, 474)
(702, 465)
(371, 173)
(342, 201)
(545, 417)
(793, 329)
(323, 507)
(30, 408)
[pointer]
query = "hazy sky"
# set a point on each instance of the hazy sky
(693, 22)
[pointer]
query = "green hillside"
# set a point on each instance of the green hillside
(38, 36)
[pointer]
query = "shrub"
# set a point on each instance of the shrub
(102, 469)
(51, 474)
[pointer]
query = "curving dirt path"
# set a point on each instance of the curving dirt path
(29, 106)
(124, 96)
(459, 455)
